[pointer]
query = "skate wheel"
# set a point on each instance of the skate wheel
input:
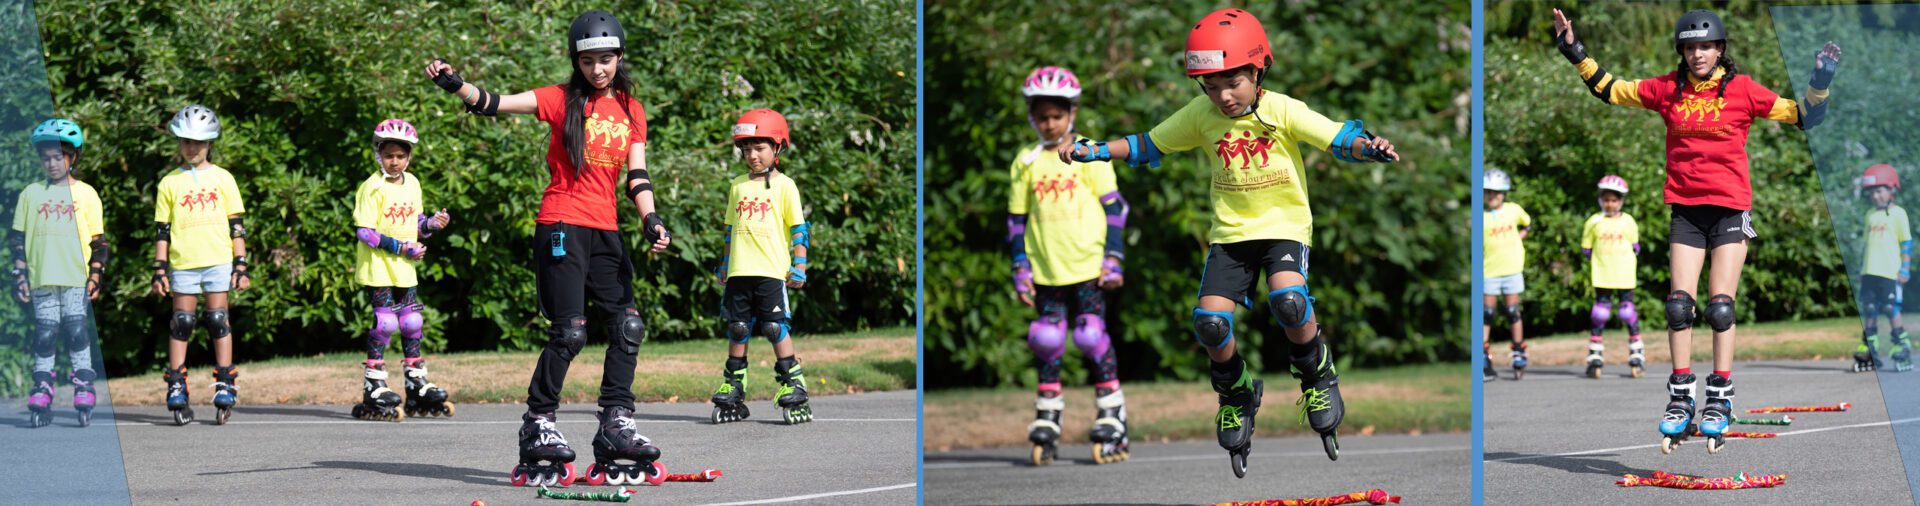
(1042, 455)
(567, 478)
(1332, 444)
(1639, 371)
(220, 415)
(86, 419)
(181, 417)
(1517, 373)
(1714, 445)
(449, 411)
(596, 476)
(1668, 444)
(519, 476)
(659, 474)
(1239, 461)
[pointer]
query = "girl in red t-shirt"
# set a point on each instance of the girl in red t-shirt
(1708, 106)
(597, 127)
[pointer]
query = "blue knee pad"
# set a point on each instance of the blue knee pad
(1048, 339)
(1291, 306)
(1213, 329)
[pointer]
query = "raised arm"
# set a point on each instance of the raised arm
(479, 101)
(1602, 84)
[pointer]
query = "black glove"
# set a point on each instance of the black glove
(448, 80)
(647, 229)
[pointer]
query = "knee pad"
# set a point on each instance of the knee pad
(1047, 337)
(182, 325)
(1090, 334)
(1487, 315)
(1629, 315)
(1872, 328)
(217, 324)
(75, 330)
(1214, 329)
(566, 337)
(46, 334)
(1601, 314)
(1679, 310)
(627, 331)
(1720, 312)
(412, 323)
(738, 332)
(773, 331)
(1291, 306)
(384, 325)
(1512, 313)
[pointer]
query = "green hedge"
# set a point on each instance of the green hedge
(1557, 141)
(1389, 266)
(299, 85)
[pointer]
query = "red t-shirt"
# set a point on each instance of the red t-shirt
(591, 200)
(1707, 138)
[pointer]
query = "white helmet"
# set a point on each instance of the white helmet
(1496, 180)
(195, 122)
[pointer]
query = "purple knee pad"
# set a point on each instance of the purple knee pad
(1627, 314)
(384, 324)
(411, 322)
(1601, 313)
(1047, 339)
(1090, 334)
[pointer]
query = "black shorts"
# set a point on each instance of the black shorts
(1233, 269)
(1067, 303)
(1879, 291)
(1608, 295)
(1709, 227)
(754, 298)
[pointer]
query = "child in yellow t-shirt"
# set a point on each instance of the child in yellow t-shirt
(59, 254)
(766, 254)
(200, 250)
(1064, 223)
(1261, 220)
(1505, 225)
(1611, 238)
(1886, 264)
(390, 220)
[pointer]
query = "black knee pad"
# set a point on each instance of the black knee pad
(45, 334)
(1487, 315)
(1512, 313)
(773, 331)
(1212, 328)
(182, 325)
(74, 328)
(1291, 306)
(217, 324)
(738, 332)
(1720, 312)
(566, 337)
(1679, 310)
(627, 331)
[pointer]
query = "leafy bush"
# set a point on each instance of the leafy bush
(1557, 140)
(299, 85)
(1390, 263)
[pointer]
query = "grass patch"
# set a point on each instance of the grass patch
(1785, 340)
(680, 371)
(1405, 400)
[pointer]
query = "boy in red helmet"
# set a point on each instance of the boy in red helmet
(1885, 265)
(766, 254)
(1261, 220)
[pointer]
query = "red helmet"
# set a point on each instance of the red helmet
(1880, 174)
(762, 123)
(1225, 40)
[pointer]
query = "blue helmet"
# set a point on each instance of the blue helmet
(60, 130)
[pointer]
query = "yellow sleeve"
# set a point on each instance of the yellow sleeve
(1178, 132)
(1586, 232)
(1521, 219)
(1604, 86)
(163, 203)
(230, 196)
(1100, 175)
(790, 206)
(1786, 110)
(1017, 187)
(366, 207)
(733, 202)
(20, 212)
(1309, 126)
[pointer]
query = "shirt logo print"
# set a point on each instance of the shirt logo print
(1243, 148)
(397, 213)
(607, 131)
(57, 211)
(754, 208)
(1056, 187)
(197, 200)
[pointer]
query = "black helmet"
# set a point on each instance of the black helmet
(1698, 25)
(594, 31)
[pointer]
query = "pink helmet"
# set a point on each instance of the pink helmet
(1051, 82)
(395, 129)
(1614, 183)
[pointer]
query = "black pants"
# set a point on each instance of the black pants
(594, 266)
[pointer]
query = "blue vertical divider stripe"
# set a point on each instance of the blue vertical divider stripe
(1479, 359)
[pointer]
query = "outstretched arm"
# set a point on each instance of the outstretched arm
(1812, 111)
(479, 101)
(1602, 84)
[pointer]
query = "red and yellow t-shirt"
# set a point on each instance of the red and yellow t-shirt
(1066, 224)
(1259, 190)
(591, 199)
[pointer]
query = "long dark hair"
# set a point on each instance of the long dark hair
(579, 92)
(1680, 76)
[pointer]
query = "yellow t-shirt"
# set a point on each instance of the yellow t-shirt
(393, 210)
(1504, 254)
(1611, 240)
(58, 221)
(1066, 225)
(197, 203)
(1258, 190)
(1885, 231)
(762, 221)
